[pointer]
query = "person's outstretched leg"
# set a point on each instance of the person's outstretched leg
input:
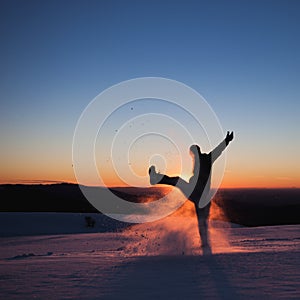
(157, 178)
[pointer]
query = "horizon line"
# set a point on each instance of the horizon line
(53, 182)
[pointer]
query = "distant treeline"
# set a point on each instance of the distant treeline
(62, 197)
(249, 207)
(260, 207)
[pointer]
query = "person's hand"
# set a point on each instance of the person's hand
(229, 137)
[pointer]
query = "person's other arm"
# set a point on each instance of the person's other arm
(221, 147)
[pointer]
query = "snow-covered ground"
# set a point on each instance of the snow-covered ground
(55, 256)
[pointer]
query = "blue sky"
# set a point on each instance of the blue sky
(243, 57)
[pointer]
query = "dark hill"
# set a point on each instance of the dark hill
(250, 207)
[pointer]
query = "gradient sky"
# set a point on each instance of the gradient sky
(243, 57)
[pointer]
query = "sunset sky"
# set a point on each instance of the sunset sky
(243, 57)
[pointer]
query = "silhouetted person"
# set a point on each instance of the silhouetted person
(198, 187)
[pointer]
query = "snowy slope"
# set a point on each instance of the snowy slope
(159, 260)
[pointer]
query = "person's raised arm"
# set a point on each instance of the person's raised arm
(220, 148)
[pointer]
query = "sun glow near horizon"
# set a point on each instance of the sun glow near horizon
(232, 178)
